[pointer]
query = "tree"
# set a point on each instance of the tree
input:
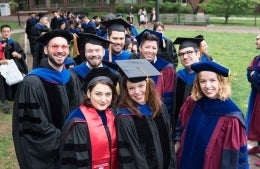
(226, 8)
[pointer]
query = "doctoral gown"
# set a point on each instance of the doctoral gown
(88, 136)
(146, 142)
(253, 111)
(124, 55)
(212, 135)
(44, 100)
(183, 85)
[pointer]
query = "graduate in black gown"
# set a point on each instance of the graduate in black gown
(89, 134)
(144, 131)
(43, 101)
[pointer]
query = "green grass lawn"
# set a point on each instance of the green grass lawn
(234, 50)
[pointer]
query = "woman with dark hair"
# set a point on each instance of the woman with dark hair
(144, 131)
(89, 134)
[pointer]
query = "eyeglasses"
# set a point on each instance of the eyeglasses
(189, 52)
(56, 47)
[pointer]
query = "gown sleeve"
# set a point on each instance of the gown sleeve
(126, 136)
(35, 138)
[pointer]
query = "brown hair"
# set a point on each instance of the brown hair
(224, 88)
(154, 100)
(157, 24)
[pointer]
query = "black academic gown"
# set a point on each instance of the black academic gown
(40, 109)
(145, 143)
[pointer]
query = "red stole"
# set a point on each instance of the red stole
(102, 156)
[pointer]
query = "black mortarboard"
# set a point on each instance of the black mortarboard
(137, 70)
(116, 25)
(146, 33)
(99, 73)
(93, 39)
(45, 38)
(210, 66)
(199, 36)
(40, 15)
(187, 42)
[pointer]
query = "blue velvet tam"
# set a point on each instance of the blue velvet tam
(211, 66)
(144, 36)
(188, 42)
(93, 39)
(45, 38)
(118, 24)
(137, 70)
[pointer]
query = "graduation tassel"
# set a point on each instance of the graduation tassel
(75, 45)
(147, 85)
(147, 89)
(164, 44)
(109, 52)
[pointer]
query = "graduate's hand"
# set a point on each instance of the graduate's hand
(177, 146)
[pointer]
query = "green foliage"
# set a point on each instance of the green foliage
(13, 4)
(226, 8)
(84, 11)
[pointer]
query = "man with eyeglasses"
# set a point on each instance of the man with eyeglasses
(44, 99)
(188, 54)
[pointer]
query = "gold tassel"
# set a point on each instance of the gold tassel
(147, 89)
(164, 44)
(75, 45)
(109, 52)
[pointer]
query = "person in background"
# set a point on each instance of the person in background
(10, 50)
(188, 54)
(144, 130)
(203, 48)
(43, 102)
(89, 133)
(55, 20)
(116, 33)
(149, 42)
(167, 49)
(30, 22)
(39, 29)
(153, 15)
(94, 51)
(211, 132)
(252, 117)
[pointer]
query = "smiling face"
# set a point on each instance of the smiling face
(209, 84)
(100, 96)
(57, 51)
(94, 54)
(118, 41)
(149, 49)
(136, 91)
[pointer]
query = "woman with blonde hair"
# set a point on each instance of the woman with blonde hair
(210, 132)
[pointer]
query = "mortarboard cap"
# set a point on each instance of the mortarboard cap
(210, 66)
(40, 15)
(199, 36)
(93, 39)
(99, 73)
(137, 70)
(45, 38)
(187, 42)
(116, 25)
(144, 35)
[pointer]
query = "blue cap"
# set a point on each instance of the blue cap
(212, 67)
